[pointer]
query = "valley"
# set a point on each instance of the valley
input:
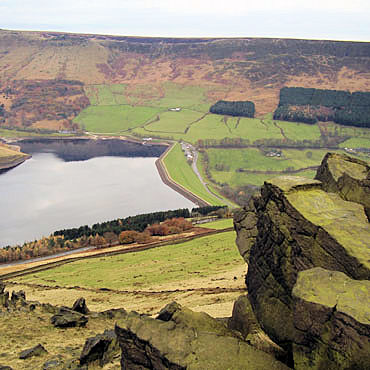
(162, 89)
(89, 109)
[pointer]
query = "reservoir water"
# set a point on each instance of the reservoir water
(47, 193)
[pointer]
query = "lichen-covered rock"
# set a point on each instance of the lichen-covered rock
(332, 318)
(101, 348)
(347, 176)
(300, 226)
(148, 343)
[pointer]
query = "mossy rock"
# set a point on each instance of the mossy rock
(148, 343)
(300, 226)
(332, 318)
(347, 176)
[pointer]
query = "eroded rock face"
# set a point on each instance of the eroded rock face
(189, 340)
(347, 176)
(300, 226)
(245, 224)
(303, 224)
(331, 315)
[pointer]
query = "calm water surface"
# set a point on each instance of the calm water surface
(45, 194)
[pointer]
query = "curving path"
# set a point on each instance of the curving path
(205, 185)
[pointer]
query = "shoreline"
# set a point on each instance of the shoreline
(15, 163)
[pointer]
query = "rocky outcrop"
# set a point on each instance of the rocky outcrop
(303, 224)
(189, 340)
(331, 315)
(300, 226)
(347, 176)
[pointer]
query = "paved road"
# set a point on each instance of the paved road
(196, 171)
(45, 257)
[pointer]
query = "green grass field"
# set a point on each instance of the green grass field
(184, 96)
(252, 159)
(174, 122)
(256, 129)
(219, 224)
(145, 113)
(181, 172)
(200, 257)
(114, 118)
(299, 131)
(356, 142)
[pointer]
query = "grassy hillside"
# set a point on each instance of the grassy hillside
(202, 256)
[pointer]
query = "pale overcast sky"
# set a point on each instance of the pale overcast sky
(312, 19)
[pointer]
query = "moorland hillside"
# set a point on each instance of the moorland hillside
(229, 68)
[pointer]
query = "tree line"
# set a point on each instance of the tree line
(134, 229)
(311, 105)
(136, 223)
(234, 108)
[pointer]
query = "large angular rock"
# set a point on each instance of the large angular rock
(101, 348)
(181, 343)
(347, 176)
(300, 226)
(244, 321)
(243, 318)
(332, 318)
(4, 296)
(66, 318)
(80, 306)
(38, 350)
